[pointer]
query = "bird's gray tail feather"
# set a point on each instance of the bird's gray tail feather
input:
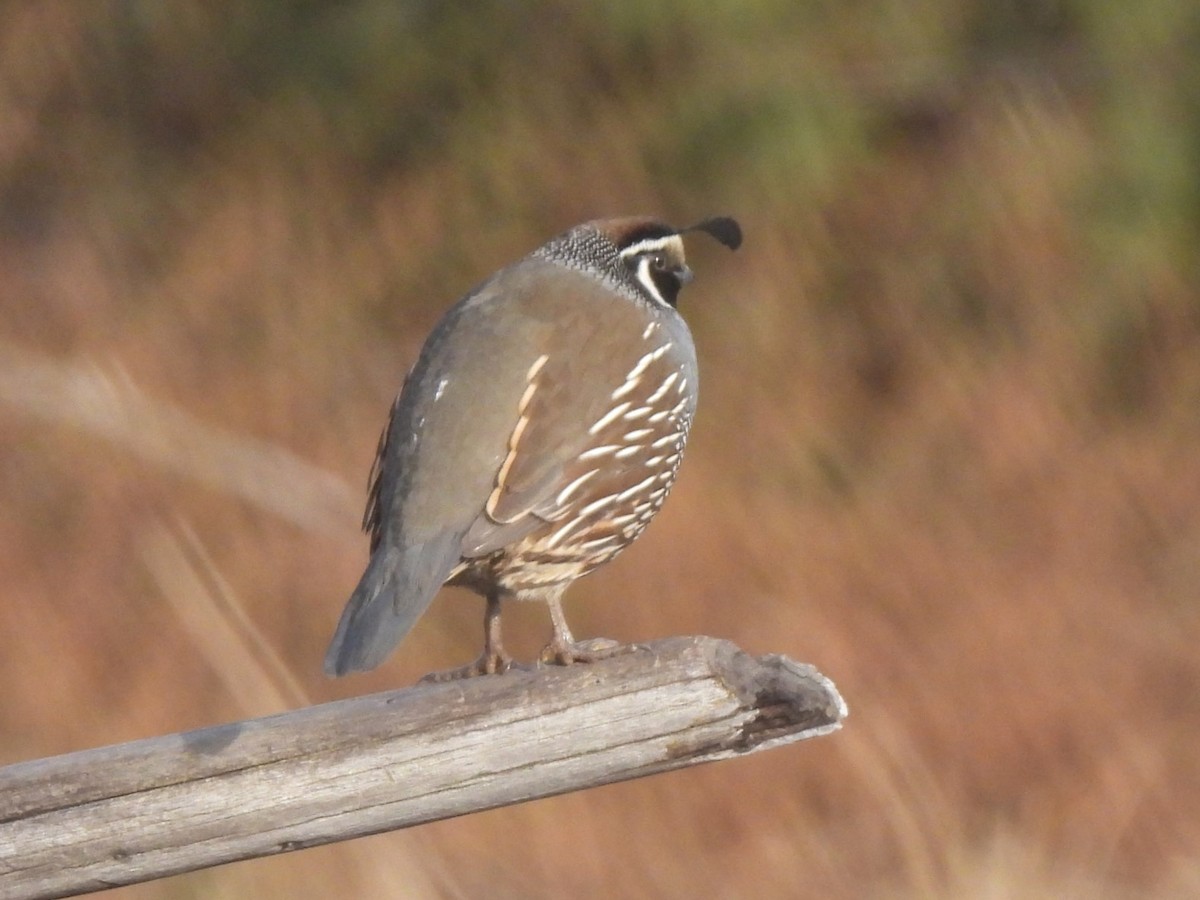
(397, 587)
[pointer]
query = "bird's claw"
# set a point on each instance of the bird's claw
(487, 664)
(563, 653)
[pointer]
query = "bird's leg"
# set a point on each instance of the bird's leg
(563, 649)
(493, 660)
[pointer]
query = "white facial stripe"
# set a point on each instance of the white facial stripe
(647, 281)
(673, 241)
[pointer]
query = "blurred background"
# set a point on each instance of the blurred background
(946, 448)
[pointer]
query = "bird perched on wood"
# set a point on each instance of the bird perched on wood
(538, 433)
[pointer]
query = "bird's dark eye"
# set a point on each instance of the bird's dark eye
(657, 262)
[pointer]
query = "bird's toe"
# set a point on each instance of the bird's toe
(565, 653)
(486, 664)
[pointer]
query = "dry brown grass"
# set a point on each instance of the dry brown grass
(946, 451)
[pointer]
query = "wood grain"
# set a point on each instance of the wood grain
(133, 812)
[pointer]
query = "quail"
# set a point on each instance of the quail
(535, 437)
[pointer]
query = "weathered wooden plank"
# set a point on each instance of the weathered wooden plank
(150, 808)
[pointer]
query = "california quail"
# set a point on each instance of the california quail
(538, 433)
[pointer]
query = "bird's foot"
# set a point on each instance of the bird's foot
(565, 653)
(489, 663)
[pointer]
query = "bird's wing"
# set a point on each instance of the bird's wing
(581, 429)
(381, 481)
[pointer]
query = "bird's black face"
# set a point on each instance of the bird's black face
(657, 265)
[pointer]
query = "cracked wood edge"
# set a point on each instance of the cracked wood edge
(133, 812)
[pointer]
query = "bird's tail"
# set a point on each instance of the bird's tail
(390, 597)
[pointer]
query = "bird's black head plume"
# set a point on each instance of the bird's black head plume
(723, 228)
